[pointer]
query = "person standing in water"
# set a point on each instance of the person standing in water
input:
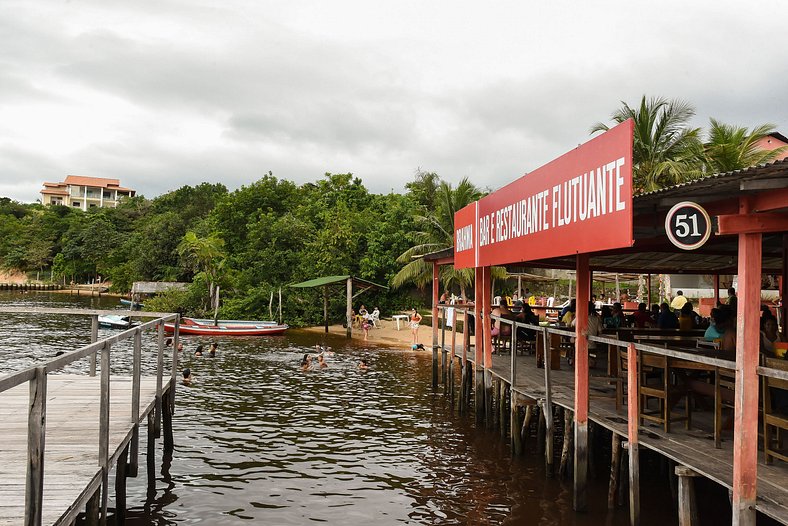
(415, 319)
(212, 350)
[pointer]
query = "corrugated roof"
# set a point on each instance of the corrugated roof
(330, 280)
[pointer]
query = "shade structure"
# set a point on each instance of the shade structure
(348, 281)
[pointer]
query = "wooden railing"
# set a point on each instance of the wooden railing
(36, 376)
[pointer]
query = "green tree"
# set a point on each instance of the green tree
(732, 147)
(665, 148)
(205, 255)
(435, 231)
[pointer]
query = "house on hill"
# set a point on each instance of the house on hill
(85, 192)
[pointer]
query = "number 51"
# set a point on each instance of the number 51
(683, 227)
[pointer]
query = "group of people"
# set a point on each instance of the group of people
(188, 376)
(318, 360)
(365, 319)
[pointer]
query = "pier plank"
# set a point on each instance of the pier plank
(71, 459)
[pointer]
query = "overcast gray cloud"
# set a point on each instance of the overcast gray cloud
(166, 93)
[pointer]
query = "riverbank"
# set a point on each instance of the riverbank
(387, 335)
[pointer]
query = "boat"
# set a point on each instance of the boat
(115, 321)
(198, 326)
(135, 305)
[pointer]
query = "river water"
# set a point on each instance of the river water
(260, 441)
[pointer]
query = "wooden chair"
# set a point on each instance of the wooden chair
(656, 383)
(620, 379)
(772, 418)
(724, 386)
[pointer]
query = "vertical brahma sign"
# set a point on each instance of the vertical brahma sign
(578, 203)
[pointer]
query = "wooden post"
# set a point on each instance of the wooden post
(93, 509)
(581, 384)
(435, 283)
(745, 430)
(648, 288)
(453, 351)
(615, 466)
(174, 370)
(487, 331)
(526, 428)
(36, 442)
(716, 290)
(349, 307)
(168, 438)
(103, 457)
(633, 417)
(502, 412)
(133, 465)
(547, 407)
(479, 347)
(120, 487)
(783, 286)
(325, 307)
(444, 352)
(688, 511)
(464, 371)
(150, 456)
(159, 378)
(93, 339)
(566, 443)
(516, 423)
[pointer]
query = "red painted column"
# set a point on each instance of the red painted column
(435, 285)
(783, 283)
(479, 347)
(745, 430)
(487, 325)
(583, 295)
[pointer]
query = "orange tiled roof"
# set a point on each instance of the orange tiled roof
(81, 180)
(54, 192)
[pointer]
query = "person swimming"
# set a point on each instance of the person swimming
(363, 365)
(321, 361)
(187, 376)
(306, 363)
(418, 347)
(212, 350)
(198, 351)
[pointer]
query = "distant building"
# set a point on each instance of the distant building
(772, 142)
(85, 192)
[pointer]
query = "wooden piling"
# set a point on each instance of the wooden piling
(562, 468)
(688, 511)
(167, 420)
(516, 438)
(120, 487)
(502, 413)
(151, 454)
(615, 467)
(36, 439)
(541, 431)
(526, 428)
(633, 442)
(93, 509)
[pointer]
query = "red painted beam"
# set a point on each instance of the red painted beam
(752, 223)
(745, 431)
(444, 261)
(770, 200)
(478, 325)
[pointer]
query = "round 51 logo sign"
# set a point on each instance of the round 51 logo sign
(688, 225)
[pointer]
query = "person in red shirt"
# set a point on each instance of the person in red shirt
(642, 318)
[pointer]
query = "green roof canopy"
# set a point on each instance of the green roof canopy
(330, 280)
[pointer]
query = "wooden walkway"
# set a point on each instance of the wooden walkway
(693, 448)
(71, 460)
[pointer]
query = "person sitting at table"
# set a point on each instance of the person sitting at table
(594, 328)
(678, 302)
(728, 341)
(766, 312)
(526, 315)
(568, 312)
(667, 320)
(642, 318)
(770, 335)
(504, 330)
(688, 317)
(654, 314)
(607, 317)
(715, 330)
(617, 316)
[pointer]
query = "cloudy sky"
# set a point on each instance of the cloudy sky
(164, 93)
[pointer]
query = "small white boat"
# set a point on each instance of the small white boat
(115, 321)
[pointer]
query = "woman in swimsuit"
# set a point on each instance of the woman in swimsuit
(415, 319)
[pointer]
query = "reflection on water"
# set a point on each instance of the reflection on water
(259, 440)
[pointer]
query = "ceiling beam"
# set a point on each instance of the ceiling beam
(752, 223)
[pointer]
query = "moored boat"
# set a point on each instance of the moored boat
(227, 327)
(115, 321)
(135, 305)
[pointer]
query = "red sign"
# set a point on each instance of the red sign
(578, 203)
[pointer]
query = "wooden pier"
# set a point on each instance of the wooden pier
(63, 433)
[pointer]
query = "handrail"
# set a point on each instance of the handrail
(37, 376)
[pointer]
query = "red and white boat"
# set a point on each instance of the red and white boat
(227, 327)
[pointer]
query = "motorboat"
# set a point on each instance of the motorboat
(134, 305)
(115, 321)
(204, 327)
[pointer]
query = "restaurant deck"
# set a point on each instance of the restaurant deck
(71, 463)
(693, 448)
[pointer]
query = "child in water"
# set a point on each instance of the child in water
(321, 361)
(187, 376)
(306, 363)
(418, 347)
(198, 351)
(212, 350)
(363, 365)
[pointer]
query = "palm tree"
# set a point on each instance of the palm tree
(207, 255)
(735, 147)
(666, 148)
(436, 232)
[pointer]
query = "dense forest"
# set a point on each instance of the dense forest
(249, 242)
